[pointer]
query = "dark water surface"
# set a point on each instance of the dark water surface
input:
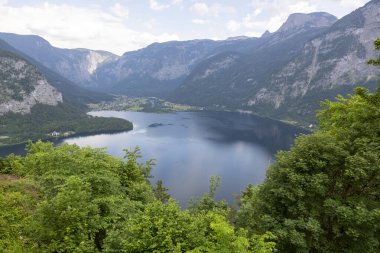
(190, 147)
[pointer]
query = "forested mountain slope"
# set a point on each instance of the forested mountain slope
(35, 102)
(295, 69)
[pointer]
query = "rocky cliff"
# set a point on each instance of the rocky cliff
(312, 57)
(247, 71)
(159, 68)
(336, 58)
(77, 65)
(298, 21)
(22, 86)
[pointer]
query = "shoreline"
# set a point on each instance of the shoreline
(58, 140)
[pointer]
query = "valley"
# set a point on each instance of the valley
(179, 140)
(282, 75)
(143, 104)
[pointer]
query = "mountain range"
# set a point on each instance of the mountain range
(299, 65)
(36, 101)
(283, 74)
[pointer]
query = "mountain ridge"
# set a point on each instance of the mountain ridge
(296, 77)
(78, 65)
(281, 74)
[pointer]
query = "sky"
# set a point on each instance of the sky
(125, 25)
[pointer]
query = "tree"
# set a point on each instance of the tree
(323, 195)
(85, 193)
(166, 228)
(161, 192)
(69, 221)
(207, 202)
(18, 199)
(376, 62)
(134, 177)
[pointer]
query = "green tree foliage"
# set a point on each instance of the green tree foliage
(207, 201)
(69, 221)
(161, 192)
(18, 199)
(44, 119)
(83, 194)
(324, 194)
(71, 199)
(165, 228)
(376, 62)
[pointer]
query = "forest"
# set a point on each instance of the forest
(45, 119)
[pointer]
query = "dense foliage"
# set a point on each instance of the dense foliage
(71, 199)
(44, 119)
(324, 194)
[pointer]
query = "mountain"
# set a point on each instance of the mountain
(72, 94)
(298, 21)
(152, 71)
(22, 86)
(77, 65)
(35, 101)
(283, 74)
(310, 58)
(159, 68)
(329, 64)
(229, 79)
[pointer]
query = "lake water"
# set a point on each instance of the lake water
(190, 147)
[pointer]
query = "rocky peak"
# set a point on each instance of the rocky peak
(266, 34)
(371, 12)
(298, 21)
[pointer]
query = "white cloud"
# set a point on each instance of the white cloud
(120, 10)
(276, 12)
(151, 24)
(257, 12)
(71, 27)
(233, 25)
(154, 5)
(118, 27)
(174, 2)
(253, 34)
(200, 21)
(200, 9)
(352, 4)
(214, 10)
(271, 14)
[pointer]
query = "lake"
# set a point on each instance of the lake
(190, 147)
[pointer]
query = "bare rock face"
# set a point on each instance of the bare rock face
(337, 58)
(22, 86)
(159, 61)
(301, 20)
(77, 65)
